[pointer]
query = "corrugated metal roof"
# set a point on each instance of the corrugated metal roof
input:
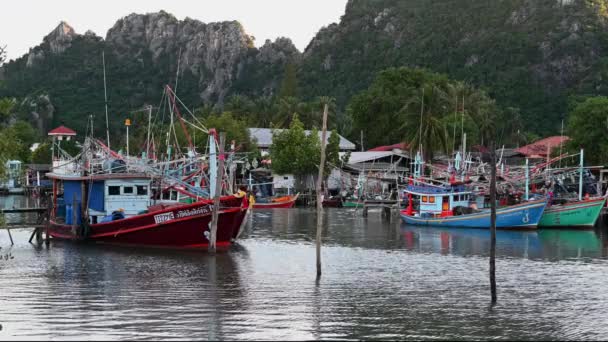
(263, 136)
(360, 157)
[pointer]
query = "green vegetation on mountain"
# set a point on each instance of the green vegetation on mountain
(587, 129)
(529, 55)
(517, 59)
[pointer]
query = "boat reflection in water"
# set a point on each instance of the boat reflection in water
(543, 244)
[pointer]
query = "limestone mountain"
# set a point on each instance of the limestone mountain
(534, 55)
(530, 54)
(142, 54)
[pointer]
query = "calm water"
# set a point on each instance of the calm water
(381, 280)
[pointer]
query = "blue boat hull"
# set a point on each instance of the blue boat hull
(521, 216)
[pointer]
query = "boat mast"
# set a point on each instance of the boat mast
(580, 179)
(105, 95)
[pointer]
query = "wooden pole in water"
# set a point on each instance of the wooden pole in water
(218, 193)
(493, 224)
(319, 192)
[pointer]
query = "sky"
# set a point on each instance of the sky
(24, 23)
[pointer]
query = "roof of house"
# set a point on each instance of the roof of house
(361, 157)
(539, 148)
(62, 130)
(400, 146)
(263, 136)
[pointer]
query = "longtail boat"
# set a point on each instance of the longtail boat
(281, 202)
(449, 206)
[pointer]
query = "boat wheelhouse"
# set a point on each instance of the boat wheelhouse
(450, 206)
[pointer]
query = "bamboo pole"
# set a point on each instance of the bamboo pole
(493, 226)
(218, 193)
(319, 193)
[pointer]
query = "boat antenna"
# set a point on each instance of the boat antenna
(105, 95)
(455, 118)
(421, 112)
(561, 139)
(179, 58)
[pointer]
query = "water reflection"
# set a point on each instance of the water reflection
(544, 244)
(381, 280)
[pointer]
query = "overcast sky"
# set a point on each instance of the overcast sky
(24, 23)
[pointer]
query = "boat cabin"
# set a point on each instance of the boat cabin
(106, 196)
(438, 201)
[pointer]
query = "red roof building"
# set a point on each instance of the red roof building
(400, 146)
(61, 132)
(540, 148)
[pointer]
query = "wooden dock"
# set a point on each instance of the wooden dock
(40, 224)
(385, 205)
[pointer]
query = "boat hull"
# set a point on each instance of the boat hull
(521, 216)
(581, 214)
(182, 227)
(351, 204)
(272, 205)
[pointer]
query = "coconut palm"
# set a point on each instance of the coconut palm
(422, 120)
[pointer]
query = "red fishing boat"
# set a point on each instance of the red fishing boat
(281, 202)
(117, 209)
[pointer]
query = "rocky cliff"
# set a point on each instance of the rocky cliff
(142, 54)
(529, 54)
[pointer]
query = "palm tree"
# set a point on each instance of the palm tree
(422, 115)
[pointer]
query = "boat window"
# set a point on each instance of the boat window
(113, 190)
(127, 190)
(142, 190)
(432, 199)
(166, 195)
(174, 195)
(424, 199)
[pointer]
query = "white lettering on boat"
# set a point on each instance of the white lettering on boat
(160, 218)
(193, 212)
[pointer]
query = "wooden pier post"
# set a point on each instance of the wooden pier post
(218, 193)
(493, 224)
(47, 222)
(319, 191)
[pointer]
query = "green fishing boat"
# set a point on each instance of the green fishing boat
(352, 204)
(572, 214)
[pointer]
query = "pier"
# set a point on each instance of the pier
(38, 226)
(385, 205)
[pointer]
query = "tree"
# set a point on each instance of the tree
(332, 152)
(293, 152)
(587, 129)
(7, 106)
(42, 154)
(235, 129)
(394, 97)
(289, 84)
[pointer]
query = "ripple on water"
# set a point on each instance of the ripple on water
(381, 280)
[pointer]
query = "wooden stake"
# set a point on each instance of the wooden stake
(493, 225)
(218, 193)
(319, 192)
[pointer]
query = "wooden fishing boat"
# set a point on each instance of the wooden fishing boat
(581, 214)
(335, 202)
(450, 207)
(281, 202)
(117, 209)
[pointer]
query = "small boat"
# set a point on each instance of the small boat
(449, 206)
(280, 202)
(582, 214)
(332, 202)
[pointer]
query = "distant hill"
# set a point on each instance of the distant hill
(529, 54)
